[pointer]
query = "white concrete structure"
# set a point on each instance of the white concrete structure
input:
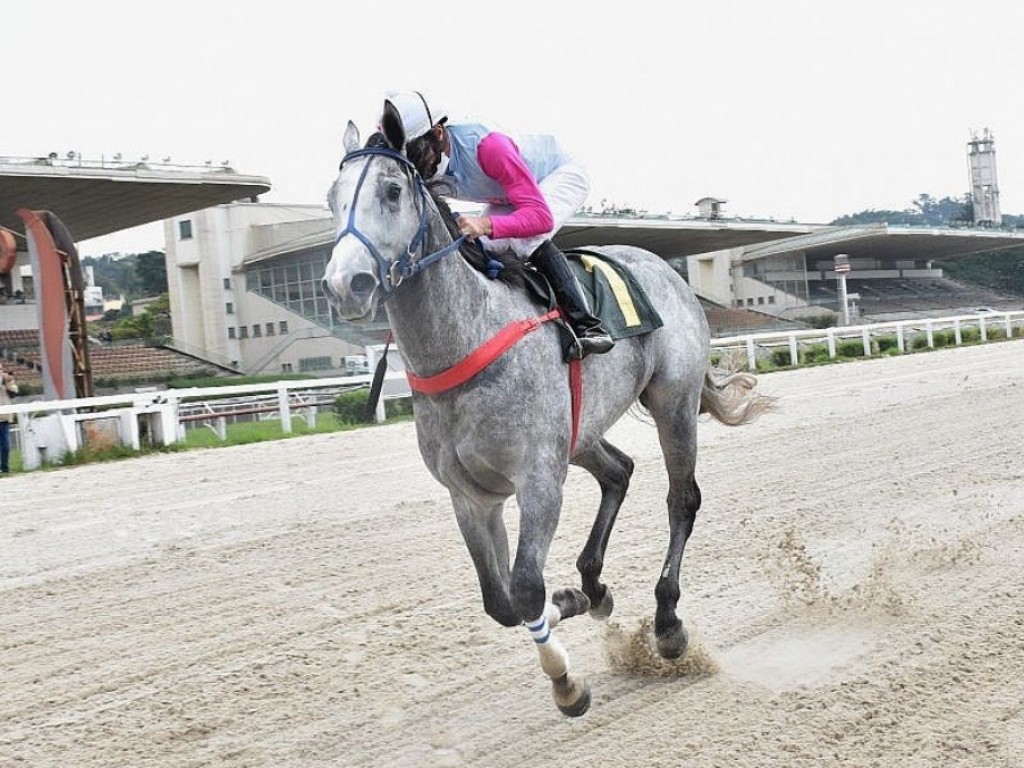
(93, 294)
(244, 285)
(710, 207)
(981, 157)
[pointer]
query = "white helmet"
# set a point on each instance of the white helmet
(418, 116)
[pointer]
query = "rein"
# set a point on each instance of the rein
(393, 272)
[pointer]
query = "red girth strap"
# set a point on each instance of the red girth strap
(487, 353)
(576, 391)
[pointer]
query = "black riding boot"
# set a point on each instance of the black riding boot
(593, 338)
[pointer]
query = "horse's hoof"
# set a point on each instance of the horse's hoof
(603, 608)
(674, 644)
(571, 698)
(571, 602)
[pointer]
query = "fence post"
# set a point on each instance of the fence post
(900, 343)
(285, 410)
(1009, 325)
(865, 335)
(956, 331)
(751, 356)
(929, 334)
(831, 336)
(794, 353)
(983, 329)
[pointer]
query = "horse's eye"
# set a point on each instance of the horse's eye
(394, 192)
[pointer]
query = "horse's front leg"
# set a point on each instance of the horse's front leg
(483, 530)
(540, 504)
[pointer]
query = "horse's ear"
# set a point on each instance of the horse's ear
(391, 126)
(351, 140)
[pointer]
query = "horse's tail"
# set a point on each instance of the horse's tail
(732, 398)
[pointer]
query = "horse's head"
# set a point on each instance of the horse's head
(380, 216)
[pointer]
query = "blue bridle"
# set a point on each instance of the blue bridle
(393, 272)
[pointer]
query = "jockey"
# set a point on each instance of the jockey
(530, 187)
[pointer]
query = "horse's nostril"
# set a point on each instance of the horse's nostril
(362, 285)
(326, 288)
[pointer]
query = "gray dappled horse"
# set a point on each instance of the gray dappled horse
(506, 431)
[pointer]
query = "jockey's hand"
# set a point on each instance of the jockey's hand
(473, 227)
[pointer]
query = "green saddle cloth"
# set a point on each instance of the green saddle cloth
(614, 295)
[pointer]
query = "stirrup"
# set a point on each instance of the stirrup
(588, 345)
(595, 345)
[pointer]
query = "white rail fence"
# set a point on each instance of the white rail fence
(750, 347)
(48, 429)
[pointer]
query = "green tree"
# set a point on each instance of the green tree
(924, 211)
(160, 311)
(153, 322)
(872, 216)
(151, 269)
(134, 275)
(945, 212)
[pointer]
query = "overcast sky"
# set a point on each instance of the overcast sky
(804, 109)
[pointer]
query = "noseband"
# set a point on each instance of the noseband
(393, 272)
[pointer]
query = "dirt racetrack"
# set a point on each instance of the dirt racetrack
(853, 590)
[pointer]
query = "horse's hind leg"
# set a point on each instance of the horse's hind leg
(677, 431)
(612, 470)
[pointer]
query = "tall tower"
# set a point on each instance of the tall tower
(981, 156)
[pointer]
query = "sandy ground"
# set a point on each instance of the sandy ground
(853, 588)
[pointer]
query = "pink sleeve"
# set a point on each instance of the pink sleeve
(500, 159)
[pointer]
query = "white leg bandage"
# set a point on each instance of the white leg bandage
(539, 630)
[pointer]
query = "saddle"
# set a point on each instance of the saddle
(612, 292)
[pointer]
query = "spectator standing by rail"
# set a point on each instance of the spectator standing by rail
(8, 388)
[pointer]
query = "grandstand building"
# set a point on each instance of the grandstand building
(244, 285)
(94, 198)
(244, 278)
(892, 271)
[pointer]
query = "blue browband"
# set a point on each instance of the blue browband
(393, 272)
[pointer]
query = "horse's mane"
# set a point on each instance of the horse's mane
(512, 272)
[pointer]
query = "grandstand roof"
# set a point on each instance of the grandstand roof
(666, 237)
(687, 237)
(98, 198)
(669, 237)
(888, 241)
